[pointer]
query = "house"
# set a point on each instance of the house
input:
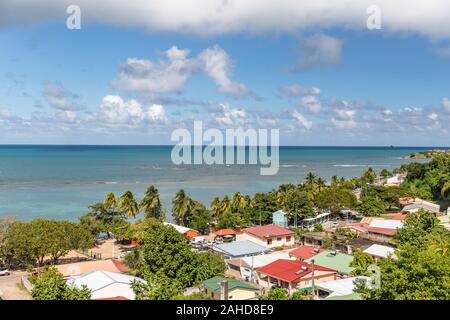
(334, 260)
(419, 204)
(395, 180)
(379, 251)
(106, 285)
(340, 289)
(239, 249)
(292, 275)
(280, 218)
(248, 265)
(225, 233)
(188, 232)
(270, 236)
(78, 268)
(383, 230)
(310, 222)
(218, 287)
(305, 252)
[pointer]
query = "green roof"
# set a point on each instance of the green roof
(214, 284)
(339, 262)
(351, 296)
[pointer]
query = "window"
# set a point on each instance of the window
(288, 238)
(269, 241)
(279, 239)
(306, 282)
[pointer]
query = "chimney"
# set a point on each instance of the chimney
(224, 290)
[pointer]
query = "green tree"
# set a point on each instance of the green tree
(361, 261)
(275, 294)
(151, 204)
(371, 206)
(297, 204)
(335, 199)
(51, 285)
(168, 252)
(181, 205)
(385, 173)
(157, 287)
(318, 227)
(127, 204)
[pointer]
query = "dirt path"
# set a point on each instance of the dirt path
(11, 288)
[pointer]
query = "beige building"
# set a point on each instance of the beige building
(269, 236)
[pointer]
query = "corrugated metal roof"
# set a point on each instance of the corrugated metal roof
(386, 224)
(240, 248)
(98, 279)
(339, 287)
(379, 250)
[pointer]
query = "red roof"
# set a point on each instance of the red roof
(268, 231)
(288, 270)
(113, 298)
(399, 216)
(120, 265)
(225, 232)
(305, 252)
(388, 232)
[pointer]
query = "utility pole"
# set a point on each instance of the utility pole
(312, 282)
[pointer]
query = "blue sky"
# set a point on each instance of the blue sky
(134, 82)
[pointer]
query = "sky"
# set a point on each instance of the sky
(135, 72)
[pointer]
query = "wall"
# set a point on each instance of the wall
(275, 242)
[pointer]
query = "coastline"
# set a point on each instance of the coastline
(61, 181)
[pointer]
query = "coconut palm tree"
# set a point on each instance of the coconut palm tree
(215, 207)
(334, 180)
(238, 202)
(310, 178)
(225, 205)
(127, 204)
(321, 185)
(151, 203)
(110, 201)
(181, 206)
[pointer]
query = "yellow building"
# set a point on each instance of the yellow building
(218, 288)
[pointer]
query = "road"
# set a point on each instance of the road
(10, 288)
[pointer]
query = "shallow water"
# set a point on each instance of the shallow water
(61, 181)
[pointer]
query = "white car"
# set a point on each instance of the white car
(4, 272)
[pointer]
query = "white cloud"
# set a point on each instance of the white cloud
(310, 103)
(228, 116)
(344, 119)
(171, 73)
(446, 104)
(430, 18)
(319, 49)
(217, 64)
(433, 116)
(114, 110)
(59, 97)
(298, 90)
(301, 120)
(167, 75)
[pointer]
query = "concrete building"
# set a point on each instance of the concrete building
(269, 236)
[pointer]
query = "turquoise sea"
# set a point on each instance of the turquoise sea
(61, 181)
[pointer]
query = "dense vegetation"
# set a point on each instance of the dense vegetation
(51, 285)
(26, 244)
(419, 270)
(168, 264)
(421, 266)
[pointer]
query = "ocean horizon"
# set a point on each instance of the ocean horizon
(60, 181)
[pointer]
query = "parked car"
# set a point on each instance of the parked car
(4, 272)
